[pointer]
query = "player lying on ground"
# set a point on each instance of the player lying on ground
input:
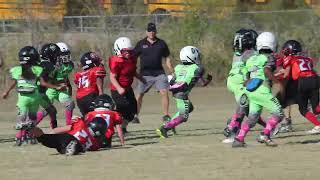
(186, 75)
(260, 74)
(75, 138)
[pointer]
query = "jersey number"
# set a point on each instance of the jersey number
(304, 65)
(82, 134)
(83, 82)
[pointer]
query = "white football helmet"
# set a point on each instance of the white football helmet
(122, 43)
(190, 54)
(266, 40)
(65, 56)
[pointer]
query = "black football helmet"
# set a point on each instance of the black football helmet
(98, 127)
(291, 47)
(244, 39)
(104, 101)
(90, 60)
(50, 52)
(28, 55)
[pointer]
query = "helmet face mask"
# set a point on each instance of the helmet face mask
(50, 52)
(98, 127)
(28, 55)
(244, 40)
(90, 60)
(190, 55)
(65, 56)
(122, 46)
(291, 47)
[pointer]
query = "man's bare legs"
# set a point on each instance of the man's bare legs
(164, 103)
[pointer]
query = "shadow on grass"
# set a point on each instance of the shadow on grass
(314, 141)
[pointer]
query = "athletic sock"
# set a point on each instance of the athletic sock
(234, 122)
(243, 131)
(68, 116)
(173, 123)
(40, 116)
(312, 118)
(271, 124)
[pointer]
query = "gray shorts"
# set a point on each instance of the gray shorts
(160, 82)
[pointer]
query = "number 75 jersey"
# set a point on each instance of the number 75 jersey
(86, 80)
(80, 131)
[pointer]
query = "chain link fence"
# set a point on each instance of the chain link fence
(212, 35)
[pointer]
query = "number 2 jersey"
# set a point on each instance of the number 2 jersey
(86, 81)
(112, 118)
(301, 66)
(80, 131)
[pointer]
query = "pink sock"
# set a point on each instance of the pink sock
(19, 134)
(40, 116)
(271, 124)
(243, 131)
(68, 116)
(173, 123)
(234, 123)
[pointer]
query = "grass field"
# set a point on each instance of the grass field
(195, 153)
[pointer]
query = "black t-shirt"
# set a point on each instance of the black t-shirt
(151, 56)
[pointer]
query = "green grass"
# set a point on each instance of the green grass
(195, 153)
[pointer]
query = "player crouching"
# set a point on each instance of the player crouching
(75, 138)
(103, 107)
(185, 77)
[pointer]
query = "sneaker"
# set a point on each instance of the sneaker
(228, 140)
(266, 140)
(237, 144)
(136, 120)
(167, 118)
(162, 132)
(315, 130)
(33, 141)
(18, 142)
(71, 148)
(284, 128)
(227, 132)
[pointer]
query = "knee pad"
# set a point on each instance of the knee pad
(69, 105)
(252, 119)
(244, 101)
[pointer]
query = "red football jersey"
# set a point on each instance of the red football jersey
(86, 81)
(125, 69)
(301, 66)
(81, 132)
(112, 118)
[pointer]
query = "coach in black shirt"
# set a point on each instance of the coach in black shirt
(152, 51)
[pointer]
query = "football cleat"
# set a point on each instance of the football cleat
(315, 130)
(266, 140)
(71, 148)
(162, 132)
(237, 144)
